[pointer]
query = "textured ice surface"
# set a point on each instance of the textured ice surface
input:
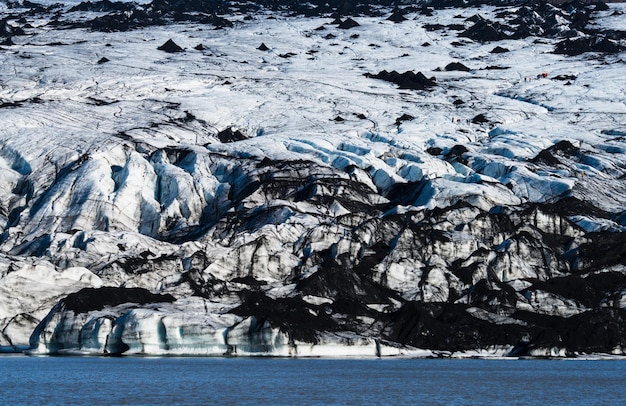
(340, 199)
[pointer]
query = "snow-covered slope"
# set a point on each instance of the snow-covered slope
(289, 185)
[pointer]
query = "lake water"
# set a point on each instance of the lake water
(191, 381)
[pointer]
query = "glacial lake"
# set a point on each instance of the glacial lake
(195, 381)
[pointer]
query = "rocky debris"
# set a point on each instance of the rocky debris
(485, 31)
(398, 16)
(347, 24)
(7, 42)
(228, 135)
(89, 299)
(263, 47)
(457, 66)
(121, 21)
(212, 19)
(293, 316)
(551, 155)
(170, 47)
(527, 19)
(407, 80)
(9, 30)
(582, 45)
(584, 333)
(480, 119)
(449, 327)
(564, 77)
(565, 20)
(499, 50)
(403, 118)
(102, 6)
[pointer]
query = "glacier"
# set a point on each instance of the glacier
(312, 197)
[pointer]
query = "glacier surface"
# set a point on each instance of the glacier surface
(312, 197)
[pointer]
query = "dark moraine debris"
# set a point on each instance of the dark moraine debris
(590, 290)
(598, 330)
(435, 151)
(493, 296)
(9, 104)
(484, 31)
(406, 80)
(457, 66)
(426, 11)
(397, 16)
(228, 135)
(102, 6)
(602, 250)
(217, 21)
(293, 316)
(456, 27)
(7, 29)
(342, 281)
(90, 299)
(480, 119)
(475, 18)
(122, 21)
(600, 6)
(500, 50)
(571, 206)
(550, 155)
(403, 118)
(249, 280)
(456, 154)
(564, 77)
(348, 23)
(449, 327)
(578, 46)
(407, 193)
(434, 27)
(336, 21)
(170, 47)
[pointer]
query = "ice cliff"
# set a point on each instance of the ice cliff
(272, 179)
